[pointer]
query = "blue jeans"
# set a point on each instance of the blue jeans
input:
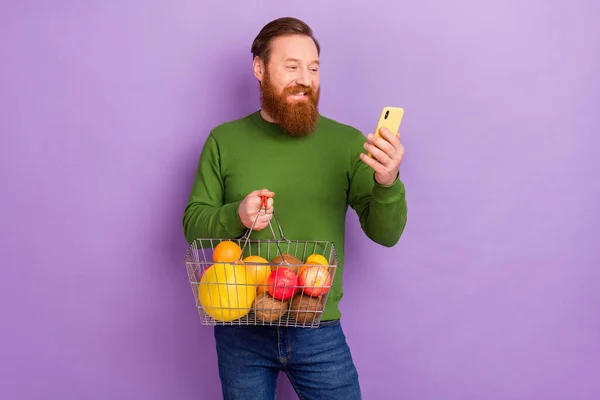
(317, 361)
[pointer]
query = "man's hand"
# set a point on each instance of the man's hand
(387, 152)
(251, 205)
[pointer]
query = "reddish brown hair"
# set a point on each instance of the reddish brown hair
(280, 27)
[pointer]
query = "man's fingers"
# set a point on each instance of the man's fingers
(377, 153)
(373, 163)
(255, 198)
(268, 212)
(263, 222)
(392, 139)
(269, 209)
(266, 192)
(260, 193)
(381, 143)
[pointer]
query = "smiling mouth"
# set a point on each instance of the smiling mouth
(298, 95)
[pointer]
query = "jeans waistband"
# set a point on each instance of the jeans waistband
(329, 322)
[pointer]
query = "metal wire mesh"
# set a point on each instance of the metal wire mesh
(283, 290)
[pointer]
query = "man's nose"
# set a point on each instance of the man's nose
(303, 78)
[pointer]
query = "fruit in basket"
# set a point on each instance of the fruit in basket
(227, 251)
(315, 279)
(226, 292)
(259, 273)
(262, 289)
(315, 259)
(289, 259)
(305, 309)
(269, 309)
(282, 283)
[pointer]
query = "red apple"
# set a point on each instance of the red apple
(283, 283)
(315, 280)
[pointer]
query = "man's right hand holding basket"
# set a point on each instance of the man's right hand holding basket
(251, 205)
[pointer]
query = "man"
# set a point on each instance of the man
(313, 168)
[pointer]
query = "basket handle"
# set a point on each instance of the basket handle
(246, 236)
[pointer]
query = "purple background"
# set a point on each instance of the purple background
(492, 292)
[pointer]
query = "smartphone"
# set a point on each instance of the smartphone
(390, 118)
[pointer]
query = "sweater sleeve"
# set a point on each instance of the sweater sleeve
(382, 210)
(206, 215)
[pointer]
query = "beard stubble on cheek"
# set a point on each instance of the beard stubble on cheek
(298, 118)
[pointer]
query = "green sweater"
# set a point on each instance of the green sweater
(314, 178)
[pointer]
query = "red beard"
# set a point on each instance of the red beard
(298, 118)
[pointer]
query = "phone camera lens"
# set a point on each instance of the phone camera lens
(386, 114)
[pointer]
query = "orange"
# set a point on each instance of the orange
(227, 251)
(256, 259)
(258, 273)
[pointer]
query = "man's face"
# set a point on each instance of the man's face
(290, 84)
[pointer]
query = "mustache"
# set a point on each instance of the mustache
(298, 89)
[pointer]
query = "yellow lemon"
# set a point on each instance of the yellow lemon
(315, 259)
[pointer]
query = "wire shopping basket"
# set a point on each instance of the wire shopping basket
(278, 282)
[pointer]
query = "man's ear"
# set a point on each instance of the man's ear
(259, 68)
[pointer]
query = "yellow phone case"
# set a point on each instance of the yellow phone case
(390, 118)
